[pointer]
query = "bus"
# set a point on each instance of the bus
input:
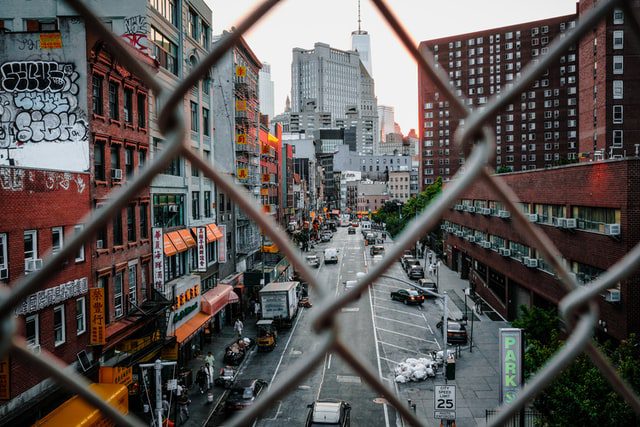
(345, 220)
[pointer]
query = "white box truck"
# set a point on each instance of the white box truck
(279, 302)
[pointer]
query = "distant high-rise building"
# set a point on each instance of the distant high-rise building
(386, 121)
(266, 91)
(361, 43)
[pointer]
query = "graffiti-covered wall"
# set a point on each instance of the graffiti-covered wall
(43, 99)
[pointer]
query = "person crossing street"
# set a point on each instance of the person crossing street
(238, 327)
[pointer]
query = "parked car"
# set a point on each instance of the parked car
(370, 238)
(428, 284)
(407, 296)
(351, 230)
(410, 262)
(326, 236)
(329, 412)
(456, 332)
(405, 255)
(354, 223)
(415, 272)
(376, 249)
(312, 261)
(331, 256)
(243, 394)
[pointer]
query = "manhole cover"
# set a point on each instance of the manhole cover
(380, 401)
(296, 352)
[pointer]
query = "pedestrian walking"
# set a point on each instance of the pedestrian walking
(209, 370)
(201, 379)
(238, 327)
(165, 406)
(431, 269)
(209, 359)
(183, 407)
(256, 309)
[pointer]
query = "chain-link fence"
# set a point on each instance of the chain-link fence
(578, 307)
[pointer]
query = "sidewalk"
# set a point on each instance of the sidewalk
(200, 409)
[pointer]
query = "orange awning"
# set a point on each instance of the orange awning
(233, 298)
(187, 237)
(216, 231)
(192, 326)
(210, 236)
(177, 241)
(169, 249)
(216, 299)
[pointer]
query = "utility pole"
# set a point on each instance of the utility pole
(445, 328)
(157, 366)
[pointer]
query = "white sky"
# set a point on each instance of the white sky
(301, 23)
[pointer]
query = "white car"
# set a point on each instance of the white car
(331, 256)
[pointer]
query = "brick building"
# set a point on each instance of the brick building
(591, 224)
(538, 130)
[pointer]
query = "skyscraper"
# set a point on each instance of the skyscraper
(266, 91)
(361, 43)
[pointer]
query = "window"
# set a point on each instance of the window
(4, 260)
(98, 161)
(194, 116)
(131, 223)
(205, 122)
(142, 109)
(618, 17)
(175, 166)
(80, 254)
(618, 91)
(195, 204)
(144, 222)
(618, 39)
(193, 24)
(81, 316)
(165, 51)
(32, 330)
(113, 101)
(117, 229)
(58, 325)
(617, 139)
(133, 289)
(168, 210)
(115, 157)
(617, 114)
(142, 158)
(30, 245)
(97, 94)
(117, 294)
(204, 36)
(167, 8)
(56, 238)
(128, 105)
(207, 204)
(618, 64)
(128, 160)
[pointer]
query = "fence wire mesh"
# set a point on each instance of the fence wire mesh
(578, 307)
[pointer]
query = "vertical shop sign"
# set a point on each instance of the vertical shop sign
(222, 244)
(96, 313)
(201, 234)
(158, 258)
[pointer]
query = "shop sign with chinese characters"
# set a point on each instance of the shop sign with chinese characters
(201, 234)
(55, 295)
(97, 325)
(158, 258)
(222, 244)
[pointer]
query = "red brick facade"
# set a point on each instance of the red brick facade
(611, 185)
(40, 201)
(118, 107)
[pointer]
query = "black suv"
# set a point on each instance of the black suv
(376, 250)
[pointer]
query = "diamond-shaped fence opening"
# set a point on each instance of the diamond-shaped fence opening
(475, 135)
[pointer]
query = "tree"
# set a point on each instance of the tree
(580, 395)
(503, 169)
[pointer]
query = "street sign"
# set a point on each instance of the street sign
(444, 402)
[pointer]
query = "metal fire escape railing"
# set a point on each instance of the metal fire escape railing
(578, 306)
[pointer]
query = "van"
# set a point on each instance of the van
(366, 225)
(331, 256)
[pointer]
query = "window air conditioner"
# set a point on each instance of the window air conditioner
(504, 251)
(485, 211)
(504, 214)
(485, 244)
(35, 348)
(570, 222)
(533, 217)
(471, 209)
(32, 264)
(116, 174)
(530, 262)
(612, 295)
(99, 244)
(443, 226)
(173, 208)
(612, 229)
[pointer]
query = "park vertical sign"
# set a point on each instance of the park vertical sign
(511, 361)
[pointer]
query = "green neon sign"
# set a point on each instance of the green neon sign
(511, 360)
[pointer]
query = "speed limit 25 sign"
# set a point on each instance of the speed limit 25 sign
(444, 403)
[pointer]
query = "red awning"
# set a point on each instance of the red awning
(216, 299)
(233, 298)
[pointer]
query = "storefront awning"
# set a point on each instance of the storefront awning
(216, 299)
(187, 237)
(216, 231)
(177, 241)
(184, 332)
(169, 249)
(233, 298)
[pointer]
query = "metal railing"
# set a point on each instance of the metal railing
(578, 307)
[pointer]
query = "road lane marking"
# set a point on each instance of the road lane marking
(293, 330)
(390, 361)
(375, 337)
(350, 309)
(404, 335)
(431, 330)
(348, 379)
(399, 311)
(404, 323)
(403, 348)
(329, 363)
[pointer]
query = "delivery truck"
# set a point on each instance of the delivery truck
(279, 302)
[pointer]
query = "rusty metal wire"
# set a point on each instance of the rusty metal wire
(476, 134)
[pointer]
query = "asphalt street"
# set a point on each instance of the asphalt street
(384, 333)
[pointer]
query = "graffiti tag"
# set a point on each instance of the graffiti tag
(38, 76)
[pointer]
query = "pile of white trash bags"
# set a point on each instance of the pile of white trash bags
(419, 369)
